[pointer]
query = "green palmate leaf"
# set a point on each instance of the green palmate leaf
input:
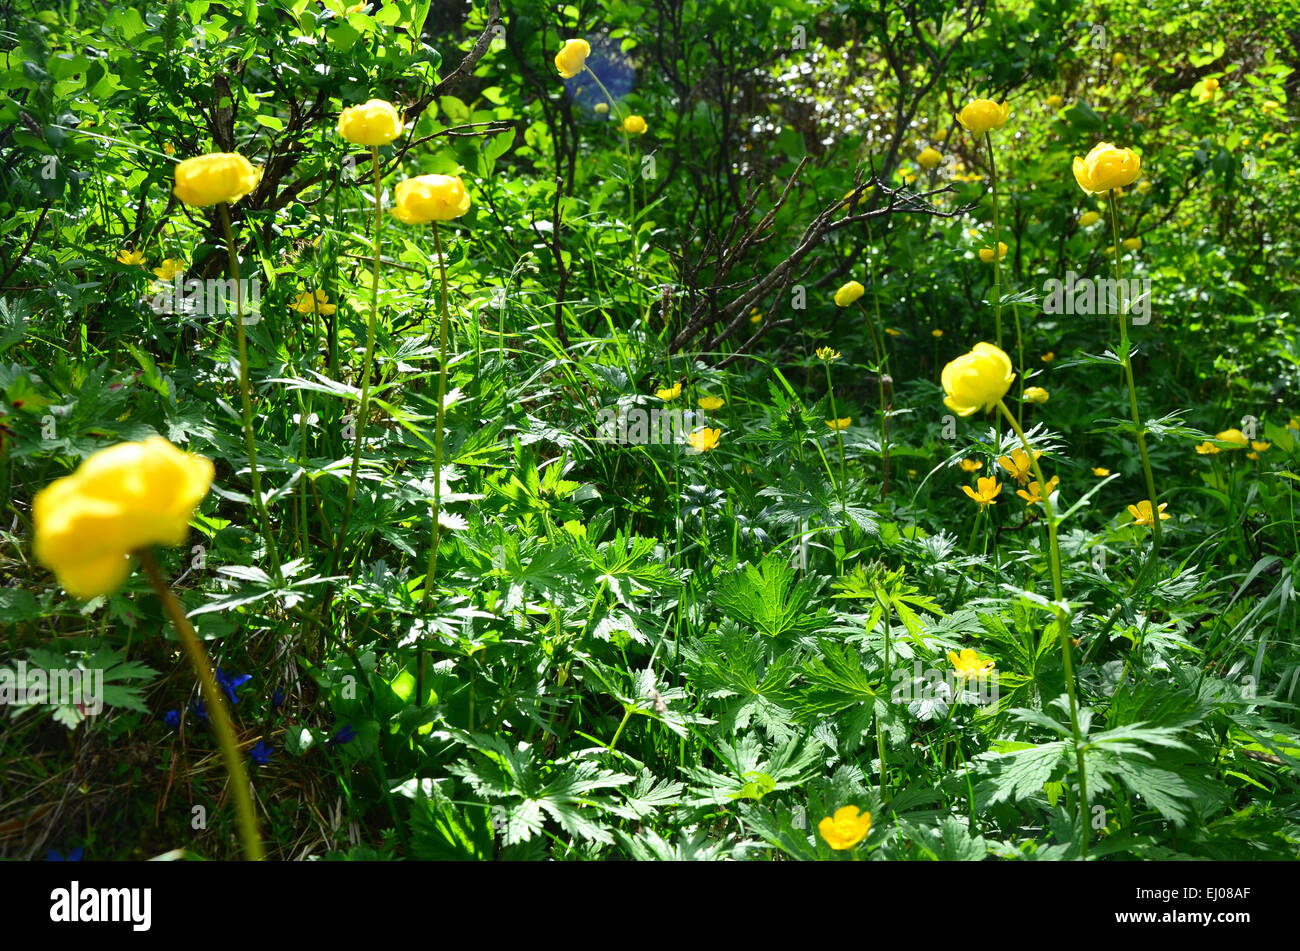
(767, 598)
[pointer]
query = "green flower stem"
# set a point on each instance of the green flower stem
(882, 370)
(631, 179)
(1127, 361)
(363, 411)
(216, 706)
(1062, 628)
(997, 264)
(839, 438)
(254, 476)
(441, 417)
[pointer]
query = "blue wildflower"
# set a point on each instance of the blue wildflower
(231, 684)
(199, 708)
(74, 855)
(277, 699)
(344, 735)
(173, 719)
(261, 753)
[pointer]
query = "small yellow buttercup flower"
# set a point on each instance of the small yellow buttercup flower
(634, 125)
(1209, 89)
(936, 333)
(1252, 455)
(418, 201)
(839, 424)
(169, 269)
(1018, 464)
(711, 403)
(1106, 167)
(1055, 102)
(127, 256)
(969, 664)
(1132, 244)
(1142, 512)
(847, 294)
(573, 58)
(986, 254)
(892, 332)
(214, 178)
(1260, 446)
(971, 465)
(1119, 59)
(983, 115)
(669, 393)
(1234, 436)
(1036, 493)
(929, 157)
(121, 499)
(318, 302)
(705, 439)
(827, 354)
(976, 380)
(989, 488)
(1208, 449)
(755, 316)
(1100, 471)
(1088, 219)
(1048, 357)
(1036, 394)
(846, 828)
(373, 123)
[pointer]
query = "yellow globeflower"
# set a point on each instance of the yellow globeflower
(1055, 102)
(669, 393)
(318, 302)
(1088, 219)
(989, 488)
(847, 294)
(127, 256)
(1018, 464)
(121, 499)
(1036, 394)
(418, 201)
(704, 440)
(634, 125)
(971, 465)
(1234, 436)
(986, 254)
(982, 115)
(711, 403)
(1036, 493)
(573, 58)
(169, 269)
(1142, 512)
(976, 380)
(1132, 244)
(372, 123)
(846, 828)
(936, 333)
(1208, 449)
(214, 178)
(1100, 471)
(839, 424)
(601, 108)
(969, 664)
(929, 157)
(1106, 167)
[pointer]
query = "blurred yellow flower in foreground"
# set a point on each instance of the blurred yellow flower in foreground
(1142, 512)
(969, 664)
(846, 828)
(121, 499)
(989, 487)
(976, 380)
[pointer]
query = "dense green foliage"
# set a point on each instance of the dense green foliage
(630, 647)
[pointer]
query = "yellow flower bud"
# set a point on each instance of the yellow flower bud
(1036, 394)
(986, 254)
(573, 58)
(1132, 244)
(634, 125)
(929, 158)
(1088, 219)
(427, 198)
(121, 499)
(601, 108)
(214, 178)
(982, 115)
(371, 124)
(977, 380)
(847, 294)
(1106, 167)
